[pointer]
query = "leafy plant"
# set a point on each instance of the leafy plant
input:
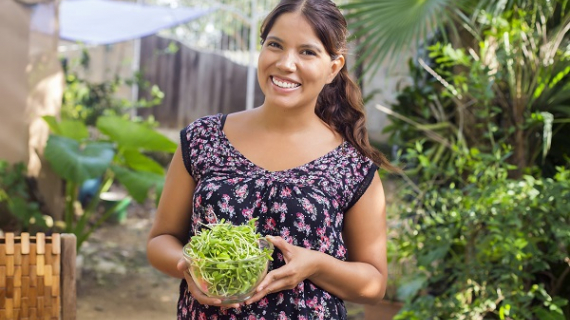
(482, 131)
(96, 139)
(86, 101)
(384, 29)
(116, 153)
(489, 247)
(16, 199)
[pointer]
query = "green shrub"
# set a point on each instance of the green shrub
(489, 247)
(16, 200)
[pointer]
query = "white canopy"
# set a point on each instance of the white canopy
(105, 22)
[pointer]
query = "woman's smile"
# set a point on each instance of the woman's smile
(284, 83)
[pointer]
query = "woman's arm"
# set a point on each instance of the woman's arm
(173, 217)
(362, 278)
(170, 229)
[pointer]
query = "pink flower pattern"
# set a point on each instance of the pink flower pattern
(304, 205)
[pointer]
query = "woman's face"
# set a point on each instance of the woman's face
(293, 65)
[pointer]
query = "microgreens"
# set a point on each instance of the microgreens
(226, 259)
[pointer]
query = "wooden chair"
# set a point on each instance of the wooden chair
(37, 277)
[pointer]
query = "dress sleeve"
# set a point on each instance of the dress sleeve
(186, 146)
(367, 171)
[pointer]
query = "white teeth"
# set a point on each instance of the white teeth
(283, 84)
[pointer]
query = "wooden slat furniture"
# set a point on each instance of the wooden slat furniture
(37, 277)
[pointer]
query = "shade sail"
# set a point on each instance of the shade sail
(106, 22)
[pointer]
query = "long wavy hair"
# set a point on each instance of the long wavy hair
(340, 103)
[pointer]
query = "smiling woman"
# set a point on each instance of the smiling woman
(293, 64)
(300, 165)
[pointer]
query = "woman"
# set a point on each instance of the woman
(301, 163)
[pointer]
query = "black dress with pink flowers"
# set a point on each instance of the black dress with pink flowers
(304, 205)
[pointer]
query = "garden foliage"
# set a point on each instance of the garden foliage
(17, 199)
(98, 138)
(482, 131)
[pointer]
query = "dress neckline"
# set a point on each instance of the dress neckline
(222, 121)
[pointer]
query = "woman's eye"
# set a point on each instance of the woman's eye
(274, 44)
(308, 53)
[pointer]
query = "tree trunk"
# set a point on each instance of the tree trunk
(519, 143)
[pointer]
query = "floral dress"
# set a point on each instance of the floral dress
(304, 205)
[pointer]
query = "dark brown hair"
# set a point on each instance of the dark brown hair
(340, 103)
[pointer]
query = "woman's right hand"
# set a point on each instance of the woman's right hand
(196, 293)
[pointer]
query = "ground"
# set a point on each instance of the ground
(115, 281)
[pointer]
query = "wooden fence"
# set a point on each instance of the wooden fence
(195, 83)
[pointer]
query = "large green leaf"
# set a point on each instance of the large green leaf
(72, 129)
(52, 123)
(75, 162)
(387, 27)
(139, 183)
(139, 162)
(134, 135)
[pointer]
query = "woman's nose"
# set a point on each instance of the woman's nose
(287, 62)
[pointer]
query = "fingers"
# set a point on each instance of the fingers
(263, 288)
(182, 265)
(199, 295)
(280, 243)
(258, 296)
(281, 275)
(274, 287)
(275, 281)
(269, 278)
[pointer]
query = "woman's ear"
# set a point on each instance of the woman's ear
(336, 66)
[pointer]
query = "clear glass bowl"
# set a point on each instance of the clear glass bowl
(229, 281)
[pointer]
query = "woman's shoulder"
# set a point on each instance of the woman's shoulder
(218, 120)
(205, 121)
(355, 156)
(201, 128)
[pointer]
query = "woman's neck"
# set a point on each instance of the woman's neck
(287, 120)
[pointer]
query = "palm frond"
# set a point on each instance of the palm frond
(390, 27)
(387, 29)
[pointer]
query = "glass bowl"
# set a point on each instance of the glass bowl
(232, 281)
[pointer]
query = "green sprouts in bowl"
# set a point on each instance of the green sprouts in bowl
(228, 261)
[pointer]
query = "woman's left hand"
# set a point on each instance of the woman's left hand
(300, 264)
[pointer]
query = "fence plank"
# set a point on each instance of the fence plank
(68, 284)
(195, 83)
